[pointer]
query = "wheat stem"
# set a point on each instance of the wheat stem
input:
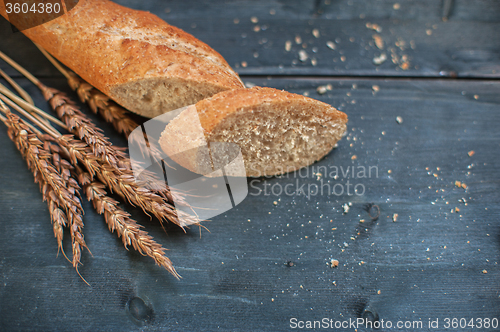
(30, 108)
(20, 69)
(53, 61)
(38, 122)
(17, 87)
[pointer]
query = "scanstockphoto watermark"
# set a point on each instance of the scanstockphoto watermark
(329, 180)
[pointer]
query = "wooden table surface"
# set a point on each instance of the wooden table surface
(267, 261)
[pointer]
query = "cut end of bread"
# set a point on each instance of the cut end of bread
(277, 138)
(151, 97)
(276, 131)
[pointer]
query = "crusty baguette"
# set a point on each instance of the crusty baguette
(144, 64)
(277, 131)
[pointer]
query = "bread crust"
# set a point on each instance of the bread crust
(112, 47)
(215, 115)
(217, 108)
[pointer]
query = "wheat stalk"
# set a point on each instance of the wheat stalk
(111, 111)
(58, 188)
(126, 228)
(108, 163)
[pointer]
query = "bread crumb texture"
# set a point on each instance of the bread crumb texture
(277, 131)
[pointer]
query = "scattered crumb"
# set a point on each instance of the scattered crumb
(342, 58)
(374, 26)
(389, 171)
(236, 21)
(272, 12)
(298, 40)
(303, 55)
(379, 292)
(256, 28)
(399, 119)
(314, 62)
(354, 157)
(249, 85)
(464, 186)
(383, 133)
(379, 42)
(457, 209)
(471, 153)
(244, 64)
(378, 60)
(375, 88)
(321, 89)
(346, 208)
(306, 93)
(288, 46)
(428, 32)
(476, 97)
(275, 203)
(361, 220)
(334, 263)
(254, 19)
(396, 6)
(484, 271)
(404, 66)
(458, 184)
(330, 45)
(395, 217)
(315, 33)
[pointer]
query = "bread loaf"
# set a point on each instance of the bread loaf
(144, 64)
(277, 131)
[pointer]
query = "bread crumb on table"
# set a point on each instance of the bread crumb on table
(373, 26)
(303, 55)
(395, 217)
(378, 60)
(399, 119)
(334, 263)
(471, 153)
(379, 42)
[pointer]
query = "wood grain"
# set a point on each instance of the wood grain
(262, 264)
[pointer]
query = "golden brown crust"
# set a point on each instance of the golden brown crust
(217, 108)
(277, 131)
(109, 46)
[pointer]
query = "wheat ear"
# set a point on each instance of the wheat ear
(126, 228)
(60, 191)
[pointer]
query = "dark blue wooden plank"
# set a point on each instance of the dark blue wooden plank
(263, 264)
